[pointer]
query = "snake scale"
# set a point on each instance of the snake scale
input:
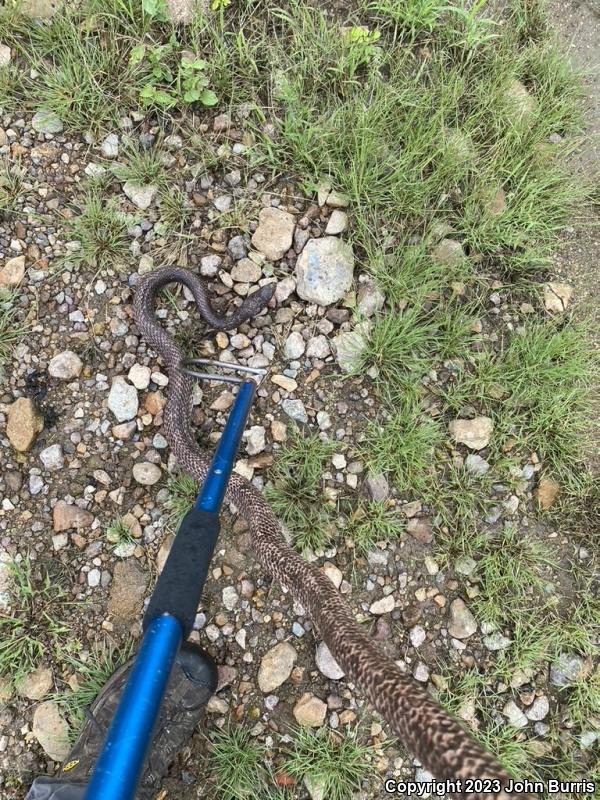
(430, 734)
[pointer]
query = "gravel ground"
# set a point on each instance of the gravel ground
(86, 395)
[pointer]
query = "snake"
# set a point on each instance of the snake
(428, 732)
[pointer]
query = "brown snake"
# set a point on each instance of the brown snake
(429, 733)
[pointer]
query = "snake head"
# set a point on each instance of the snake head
(257, 301)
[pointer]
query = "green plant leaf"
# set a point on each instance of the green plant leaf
(137, 54)
(209, 98)
(157, 9)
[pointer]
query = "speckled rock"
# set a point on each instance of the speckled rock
(51, 730)
(123, 399)
(309, 711)
(276, 666)
(66, 366)
(274, 234)
(23, 424)
(324, 270)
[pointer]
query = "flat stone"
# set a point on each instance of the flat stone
(146, 473)
(337, 223)
(557, 297)
(546, 493)
(514, 715)
(370, 299)
(110, 146)
(140, 196)
(476, 465)
(230, 598)
(65, 517)
(5, 55)
(383, 606)
(23, 424)
(274, 234)
(324, 270)
(51, 730)
(246, 271)
(309, 711)
(378, 487)
(496, 641)
(123, 399)
(475, 433)
(46, 121)
(318, 347)
(13, 272)
(449, 253)
(65, 366)
(294, 346)
(36, 685)
(462, 623)
(127, 591)
(326, 663)
(420, 529)
(52, 457)
(255, 440)
(124, 431)
(539, 709)
(276, 666)
(567, 669)
(349, 348)
(209, 265)
(295, 409)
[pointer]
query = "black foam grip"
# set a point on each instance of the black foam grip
(179, 586)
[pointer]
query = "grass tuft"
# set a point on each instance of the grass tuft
(101, 231)
(237, 764)
(338, 764)
(183, 490)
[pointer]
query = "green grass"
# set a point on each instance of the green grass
(10, 329)
(369, 523)
(142, 166)
(183, 490)
(119, 533)
(36, 622)
(338, 763)
(295, 490)
(92, 675)
(402, 445)
(236, 764)
(101, 231)
(11, 186)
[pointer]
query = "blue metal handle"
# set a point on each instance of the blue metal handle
(120, 765)
(213, 491)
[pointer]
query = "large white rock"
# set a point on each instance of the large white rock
(276, 666)
(274, 234)
(324, 270)
(123, 399)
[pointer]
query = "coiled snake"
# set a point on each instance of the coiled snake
(430, 734)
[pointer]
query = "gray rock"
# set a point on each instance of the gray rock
(110, 146)
(66, 366)
(140, 196)
(209, 265)
(295, 409)
(326, 663)
(383, 606)
(237, 248)
(539, 709)
(514, 715)
(370, 299)
(496, 641)
(417, 635)
(274, 234)
(476, 465)
(567, 668)
(5, 55)
(139, 375)
(378, 487)
(52, 457)
(465, 565)
(318, 347)
(46, 121)
(223, 203)
(230, 598)
(276, 666)
(13, 272)
(146, 473)
(349, 348)
(255, 440)
(324, 270)
(310, 711)
(294, 346)
(462, 623)
(123, 399)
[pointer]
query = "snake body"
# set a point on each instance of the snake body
(430, 734)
